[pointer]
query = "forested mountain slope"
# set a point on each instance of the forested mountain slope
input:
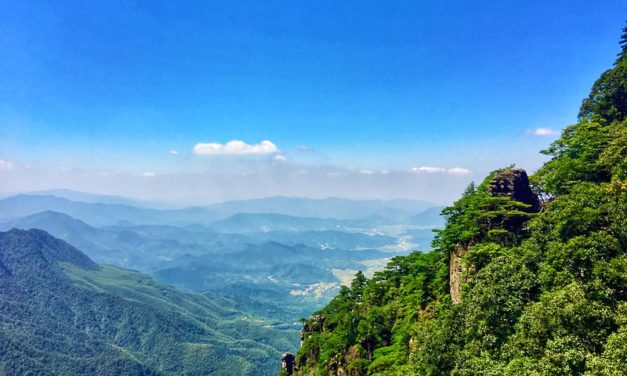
(62, 314)
(541, 292)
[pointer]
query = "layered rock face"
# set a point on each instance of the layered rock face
(315, 325)
(513, 183)
(287, 362)
(291, 363)
(455, 272)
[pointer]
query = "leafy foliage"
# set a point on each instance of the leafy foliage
(548, 297)
(608, 98)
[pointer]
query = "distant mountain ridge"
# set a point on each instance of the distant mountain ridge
(116, 247)
(115, 211)
(93, 198)
(265, 222)
(271, 266)
(141, 246)
(96, 214)
(333, 207)
(430, 217)
(38, 249)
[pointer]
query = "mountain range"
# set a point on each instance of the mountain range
(231, 285)
(64, 314)
(104, 210)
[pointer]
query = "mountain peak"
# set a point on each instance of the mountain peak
(36, 247)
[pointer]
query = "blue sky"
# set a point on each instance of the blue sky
(109, 90)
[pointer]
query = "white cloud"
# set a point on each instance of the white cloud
(224, 181)
(235, 147)
(149, 174)
(459, 171)
(6, 166)
(280, 157)
(428, 170)
(174, 152)
(337, 173)
(366, 172)
(543, 132)
(385, 172)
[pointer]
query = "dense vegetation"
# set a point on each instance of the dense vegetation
(252, 285)
(261, 271)
(543, 294)
(62, 314)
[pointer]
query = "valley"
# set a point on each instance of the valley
(267, 270)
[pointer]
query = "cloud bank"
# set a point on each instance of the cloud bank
(543, 132)
(235, 147)
(459, 171)
(280, 157)
(246, 178)
(6, 166)
(428, 170)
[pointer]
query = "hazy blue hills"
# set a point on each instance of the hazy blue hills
(144, 247)
(271, 264)
(297, 278)
(95, 214)
(106, 210)
(264, 222)
(102, 214)
(77, 196)
(430, 217)
(284, 274)
(333, 207)
(63, 314)
(119, 247)
(326, 239)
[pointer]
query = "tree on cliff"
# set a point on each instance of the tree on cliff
(622, 55)
(607, 101)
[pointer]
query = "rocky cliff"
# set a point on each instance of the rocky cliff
(512, 183)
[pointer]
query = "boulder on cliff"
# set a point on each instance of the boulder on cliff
(287, 362)
(514, 183)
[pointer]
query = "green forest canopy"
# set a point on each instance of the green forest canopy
(547, 299)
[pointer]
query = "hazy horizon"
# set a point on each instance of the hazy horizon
(73, 195)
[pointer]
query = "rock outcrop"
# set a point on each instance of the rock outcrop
(512, 183)
(455, 272)
(314, 325)
(287, 362)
